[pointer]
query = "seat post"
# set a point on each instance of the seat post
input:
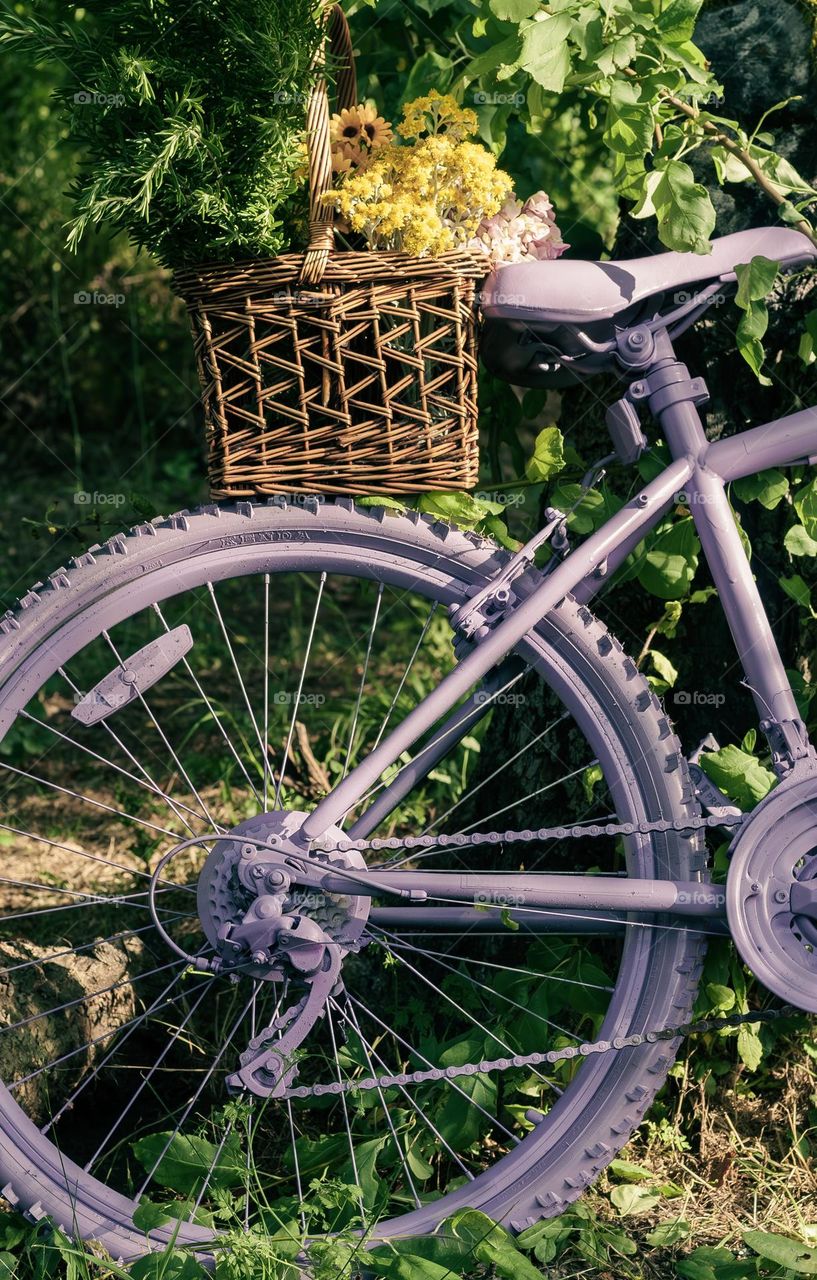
(666, 388)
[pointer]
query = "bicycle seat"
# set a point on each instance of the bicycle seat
(572, 292)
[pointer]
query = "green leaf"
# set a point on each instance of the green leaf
(504, 54)
(798, 543)
(430, 71)
(670, 564)
(686, 218)
(768, 488)
(755, 280)
(171, 1264)
(786, 1252)
(798, 590)
(631, 1200)
(629, 126)
(548, 455)
(378, 500)
(750, 1045)
(676, 22)
(459, 508)
(545, 54)
(513, 10)
(8, 1266)
(492, 1245)
(667, 1234)
(807, 349)
(663, 667)
(628, 1171)
(805, 504)
(739, 775)
(189, 1159)
(721, 998)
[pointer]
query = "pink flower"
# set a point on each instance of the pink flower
(519, 232)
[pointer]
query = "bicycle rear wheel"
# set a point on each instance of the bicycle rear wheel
(314, 627)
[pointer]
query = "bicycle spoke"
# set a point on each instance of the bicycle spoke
(211, 710)
(431, 614)
(145, 1080)
(384, 1106)
(428, 1063)
(294, 716)
(202, 1086)
(362, 685)
(146, 782)
(154, 720)
(264, 762)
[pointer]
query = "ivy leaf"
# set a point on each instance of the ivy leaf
(504, 54)
(807, 349)
(686, 218)
(768, 488)
(663, 667)
(796, 589)
(545, 53)
(786, 1252)
(631, 1200)
(739, 775)
(548, 455)
(805, 504)
(513, 10)
(671, 562)
(798, 543)
(459, 508)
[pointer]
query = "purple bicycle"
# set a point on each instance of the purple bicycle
(350, 975)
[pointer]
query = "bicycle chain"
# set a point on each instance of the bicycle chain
(551, 1056)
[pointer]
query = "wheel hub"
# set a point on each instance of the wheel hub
(771, 892)
(253, 911)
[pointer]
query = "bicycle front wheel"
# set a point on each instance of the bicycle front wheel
(314, 627)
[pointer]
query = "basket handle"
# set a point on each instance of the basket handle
(321, 216)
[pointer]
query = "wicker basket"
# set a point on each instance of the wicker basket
(337, 372)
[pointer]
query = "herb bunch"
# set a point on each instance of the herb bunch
(190, 117)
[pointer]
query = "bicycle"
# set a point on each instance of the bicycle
(257, 1034)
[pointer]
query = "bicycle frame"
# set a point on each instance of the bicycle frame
(699, 470)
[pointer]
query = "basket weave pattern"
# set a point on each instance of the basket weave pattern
(337, 372)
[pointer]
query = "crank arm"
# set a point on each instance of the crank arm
(270, 1073)
(559, 892)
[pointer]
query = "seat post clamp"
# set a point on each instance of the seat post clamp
(668, 386)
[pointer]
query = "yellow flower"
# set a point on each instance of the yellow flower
(360, 127)
(437, 114)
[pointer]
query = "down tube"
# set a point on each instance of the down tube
(589, 558)
(739, 597)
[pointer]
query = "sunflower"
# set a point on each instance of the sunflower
(359, 127)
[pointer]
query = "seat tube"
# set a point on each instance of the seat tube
(737, 590)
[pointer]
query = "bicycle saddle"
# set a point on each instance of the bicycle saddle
(573, 292)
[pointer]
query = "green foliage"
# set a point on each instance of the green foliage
(189, 118)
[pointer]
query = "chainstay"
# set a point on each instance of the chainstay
(552, 1056)
(591, 830)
